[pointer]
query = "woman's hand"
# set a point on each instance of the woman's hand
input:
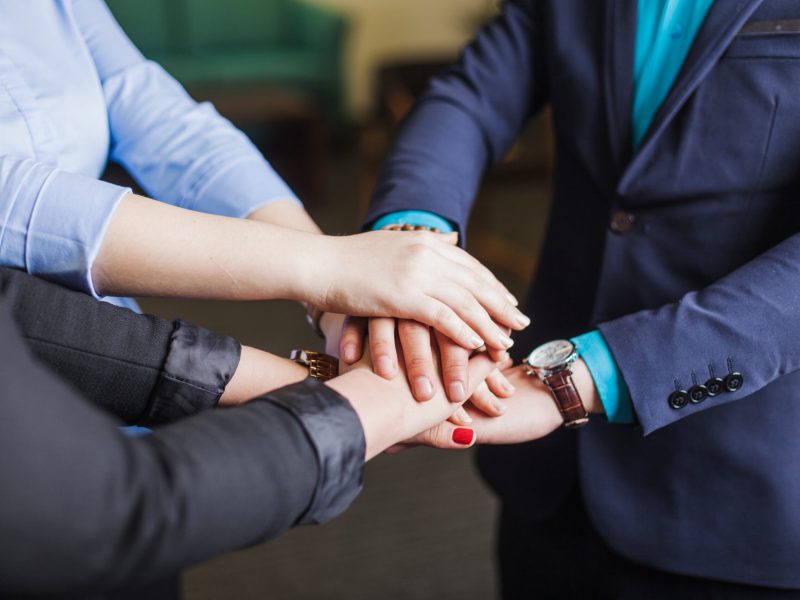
(417, 276)
(389, 413)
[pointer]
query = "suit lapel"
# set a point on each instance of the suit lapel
(723, 21)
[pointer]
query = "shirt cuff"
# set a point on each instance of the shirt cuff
(199, 365)
(57, 223)
(336, 433)
(608, 379)
(414, 217)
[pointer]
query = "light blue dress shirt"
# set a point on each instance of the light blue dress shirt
(74, 91)
(665, 32)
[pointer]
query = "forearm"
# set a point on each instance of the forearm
(143, 369)
(154, 249)
(142, 508)
(747, 321)
(258, 373)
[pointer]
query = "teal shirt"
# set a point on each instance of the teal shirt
(665, 31)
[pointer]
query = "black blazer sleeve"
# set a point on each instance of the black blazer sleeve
(143, 369)
(86, 509)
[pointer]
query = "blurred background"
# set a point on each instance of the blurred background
(320, 86)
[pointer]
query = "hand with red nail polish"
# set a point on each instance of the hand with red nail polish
(393, 418)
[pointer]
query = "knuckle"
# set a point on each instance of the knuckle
(442, 316)
(417, 363)
(381, 347)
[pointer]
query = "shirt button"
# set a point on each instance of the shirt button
(622, 221)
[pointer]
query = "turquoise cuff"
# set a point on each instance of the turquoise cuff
(414, 217)
(608, 380)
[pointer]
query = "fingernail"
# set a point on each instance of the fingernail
(499, 406)
(349, 353)
(455, 391)
(423, 388)
(476, 341)
(385, 365)
(505, 341)
(463, 436)
(462, 416)
(508, 387)
(511, 298)
(522, 320)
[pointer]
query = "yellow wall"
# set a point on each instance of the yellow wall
(383, 30)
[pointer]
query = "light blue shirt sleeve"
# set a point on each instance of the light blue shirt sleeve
(74, 90)
(42, 232)
(414, 217)
(608, 379)
(181, 152)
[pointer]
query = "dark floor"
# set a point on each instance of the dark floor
(423, 527)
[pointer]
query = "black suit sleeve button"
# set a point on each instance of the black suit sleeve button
(715, 386)
(678, 399)
(698, 393)
(733, 381)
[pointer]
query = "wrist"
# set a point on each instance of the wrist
(259, 373)
(378, 419)
(310, 261)
(587, 390)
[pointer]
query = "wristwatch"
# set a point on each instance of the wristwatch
(552, 363)
(320, 366)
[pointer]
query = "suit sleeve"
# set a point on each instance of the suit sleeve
(142, 369)
(86, 509)
(747, 322)
(465, 121)
(180, 151)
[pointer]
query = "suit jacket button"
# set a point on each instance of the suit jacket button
(622, 221)
(715, 386)
(678, 399)
(698, 393)
(733, 381)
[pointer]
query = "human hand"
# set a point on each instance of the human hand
(388, 412)
(417, 276)
(532, 412)
(419, 343)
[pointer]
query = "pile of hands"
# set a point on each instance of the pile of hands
(441, 363)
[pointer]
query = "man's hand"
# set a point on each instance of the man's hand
(532, 412)
(424, 351)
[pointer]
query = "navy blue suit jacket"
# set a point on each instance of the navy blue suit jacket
(709, 272)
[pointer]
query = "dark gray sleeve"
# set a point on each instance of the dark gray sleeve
(85, 509)
(143, 369)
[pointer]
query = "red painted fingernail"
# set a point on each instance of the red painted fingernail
(463, 436)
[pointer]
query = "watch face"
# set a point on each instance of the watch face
(551, 354)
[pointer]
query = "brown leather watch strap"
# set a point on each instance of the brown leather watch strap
(567, 398)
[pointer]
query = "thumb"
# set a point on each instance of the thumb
(447, 436)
